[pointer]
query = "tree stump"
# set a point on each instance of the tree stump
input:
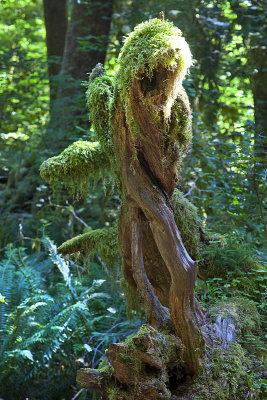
(142, 120)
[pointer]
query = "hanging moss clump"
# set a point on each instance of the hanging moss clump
(99, 95)
(75, 166)
(152, 43)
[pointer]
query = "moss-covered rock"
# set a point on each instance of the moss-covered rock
(227, 360)
(224, 377)
(244, 314)
(139, 367)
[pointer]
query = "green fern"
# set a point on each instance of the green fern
(49, 314)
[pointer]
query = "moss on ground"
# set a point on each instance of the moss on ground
(224, 375)
(244, 312)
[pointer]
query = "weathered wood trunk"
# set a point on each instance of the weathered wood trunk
(148, 169)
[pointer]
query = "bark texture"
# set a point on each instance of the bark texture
(86, 44)
(142, 368)
(149, 366)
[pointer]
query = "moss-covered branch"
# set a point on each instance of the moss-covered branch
(104, 240)
(76, 165)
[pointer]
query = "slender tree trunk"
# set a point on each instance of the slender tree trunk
(85, 45)
(149, 182)
(87, 36)
(258, 59)
(56, 21)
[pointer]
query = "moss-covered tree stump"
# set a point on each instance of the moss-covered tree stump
(151, 126)
(142, 120)
(149, 365)
(139, 368)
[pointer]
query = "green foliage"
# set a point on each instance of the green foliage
(234, 264)
(50, 313)
(229, 183)
(223, 176)
(24, 85)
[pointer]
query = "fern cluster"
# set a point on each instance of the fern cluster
(49, 312)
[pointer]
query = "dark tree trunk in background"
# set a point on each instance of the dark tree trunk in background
(87, 37)
(56, 22)
(258, 59)
(86, 44)
(253, 22)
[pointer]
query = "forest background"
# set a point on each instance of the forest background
(57, 315)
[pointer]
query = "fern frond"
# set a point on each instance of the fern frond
(60, 262)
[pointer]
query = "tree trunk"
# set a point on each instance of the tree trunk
(56, 21)
(87, 37)
(148, 365)
(149, 184)
(258, 60)
(85, 45)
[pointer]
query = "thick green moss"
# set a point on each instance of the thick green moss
(75, 166)
(151, 43)
(225, 376)
(243, 311)
(181, 127)
(225, 367)
(188, 223)
(105, 241)
(99, 95)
